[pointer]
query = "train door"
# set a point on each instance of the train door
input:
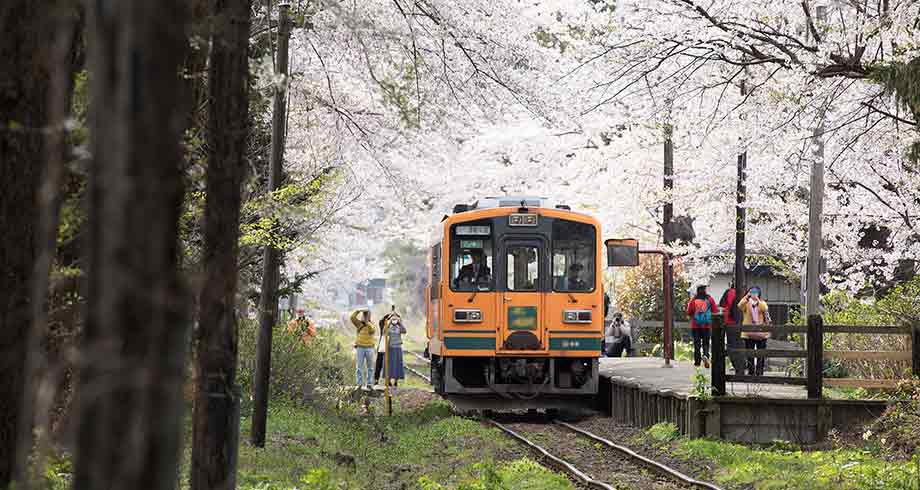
(520, 300)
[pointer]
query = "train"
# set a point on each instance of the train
(515, 303)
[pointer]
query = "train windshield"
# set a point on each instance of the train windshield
(471, 257)
(574, 253)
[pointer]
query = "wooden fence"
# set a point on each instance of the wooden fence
(814, 354)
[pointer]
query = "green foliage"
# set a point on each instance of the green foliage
(318, 371)
(641, 295)
(308, 448)
(663, 432)
(791, 469)
(407, 274)
(899, 306)
(902, 80)
(896, 429)
(702, 388)
(522, 474)
(398, 92)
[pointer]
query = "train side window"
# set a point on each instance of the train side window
(435, 271)
(523, 268)
(574, 254)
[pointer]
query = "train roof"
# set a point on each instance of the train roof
(510, 202)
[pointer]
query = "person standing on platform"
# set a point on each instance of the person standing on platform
(732, 335)
(364, 347)
(700, 309)
(756, 312)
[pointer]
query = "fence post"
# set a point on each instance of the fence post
(915, 349)
(815, 364)
(718, 357)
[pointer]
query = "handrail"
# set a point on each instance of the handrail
(813, 354)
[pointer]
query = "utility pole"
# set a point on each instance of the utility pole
(733, 335)
(815, 208)
(268, 301)
(668, 236)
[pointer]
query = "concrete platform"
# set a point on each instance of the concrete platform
(639, 391)
(650, 373)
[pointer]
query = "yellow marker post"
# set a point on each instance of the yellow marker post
(386, 367)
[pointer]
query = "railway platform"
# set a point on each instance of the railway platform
(640, 391)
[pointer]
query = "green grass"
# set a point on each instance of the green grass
(428, 448)
(784, 467)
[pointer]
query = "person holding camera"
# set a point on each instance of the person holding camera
(364, 347)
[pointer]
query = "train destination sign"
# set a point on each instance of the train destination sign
(521, 219)
(476, 230)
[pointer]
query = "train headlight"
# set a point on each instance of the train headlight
(467, 316)
(576, 316)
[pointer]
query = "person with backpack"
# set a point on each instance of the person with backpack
(700, 309)
(755, 312)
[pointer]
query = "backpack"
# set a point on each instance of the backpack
(702, 315)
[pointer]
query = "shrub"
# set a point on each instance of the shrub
(297, 369)
(641, 295)
(896, 429)
(663, 432)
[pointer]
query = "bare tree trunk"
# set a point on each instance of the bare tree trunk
(133, 352)
(40, 391)
(216, 420)
(271, 262)
(24, 85)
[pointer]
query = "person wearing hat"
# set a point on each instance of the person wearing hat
(700, 309)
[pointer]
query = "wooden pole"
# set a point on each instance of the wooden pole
(815, 211)
(718, 357)
(733, 335)
(915, 350)
(668, 235)
(268, 301)
(386, 366)
(815, 364)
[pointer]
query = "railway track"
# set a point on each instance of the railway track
(669, 478)
(416, 371)
(598, 462)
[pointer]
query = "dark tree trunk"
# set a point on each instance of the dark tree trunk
(216, 419)
(24, 85)
(134, 344)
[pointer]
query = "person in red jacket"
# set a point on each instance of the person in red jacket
(732, 335)
(700, 309)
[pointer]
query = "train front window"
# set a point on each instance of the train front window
(574, 253)
(471, 257)
(523, 268)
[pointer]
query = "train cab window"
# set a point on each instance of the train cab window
(574, 254)
(471, 257)
(523, 268)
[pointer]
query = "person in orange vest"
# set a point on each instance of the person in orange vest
(302, 326)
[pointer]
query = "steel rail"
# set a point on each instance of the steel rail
(417, 373)
(421, 357)
(655, 465)
(568, 467)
